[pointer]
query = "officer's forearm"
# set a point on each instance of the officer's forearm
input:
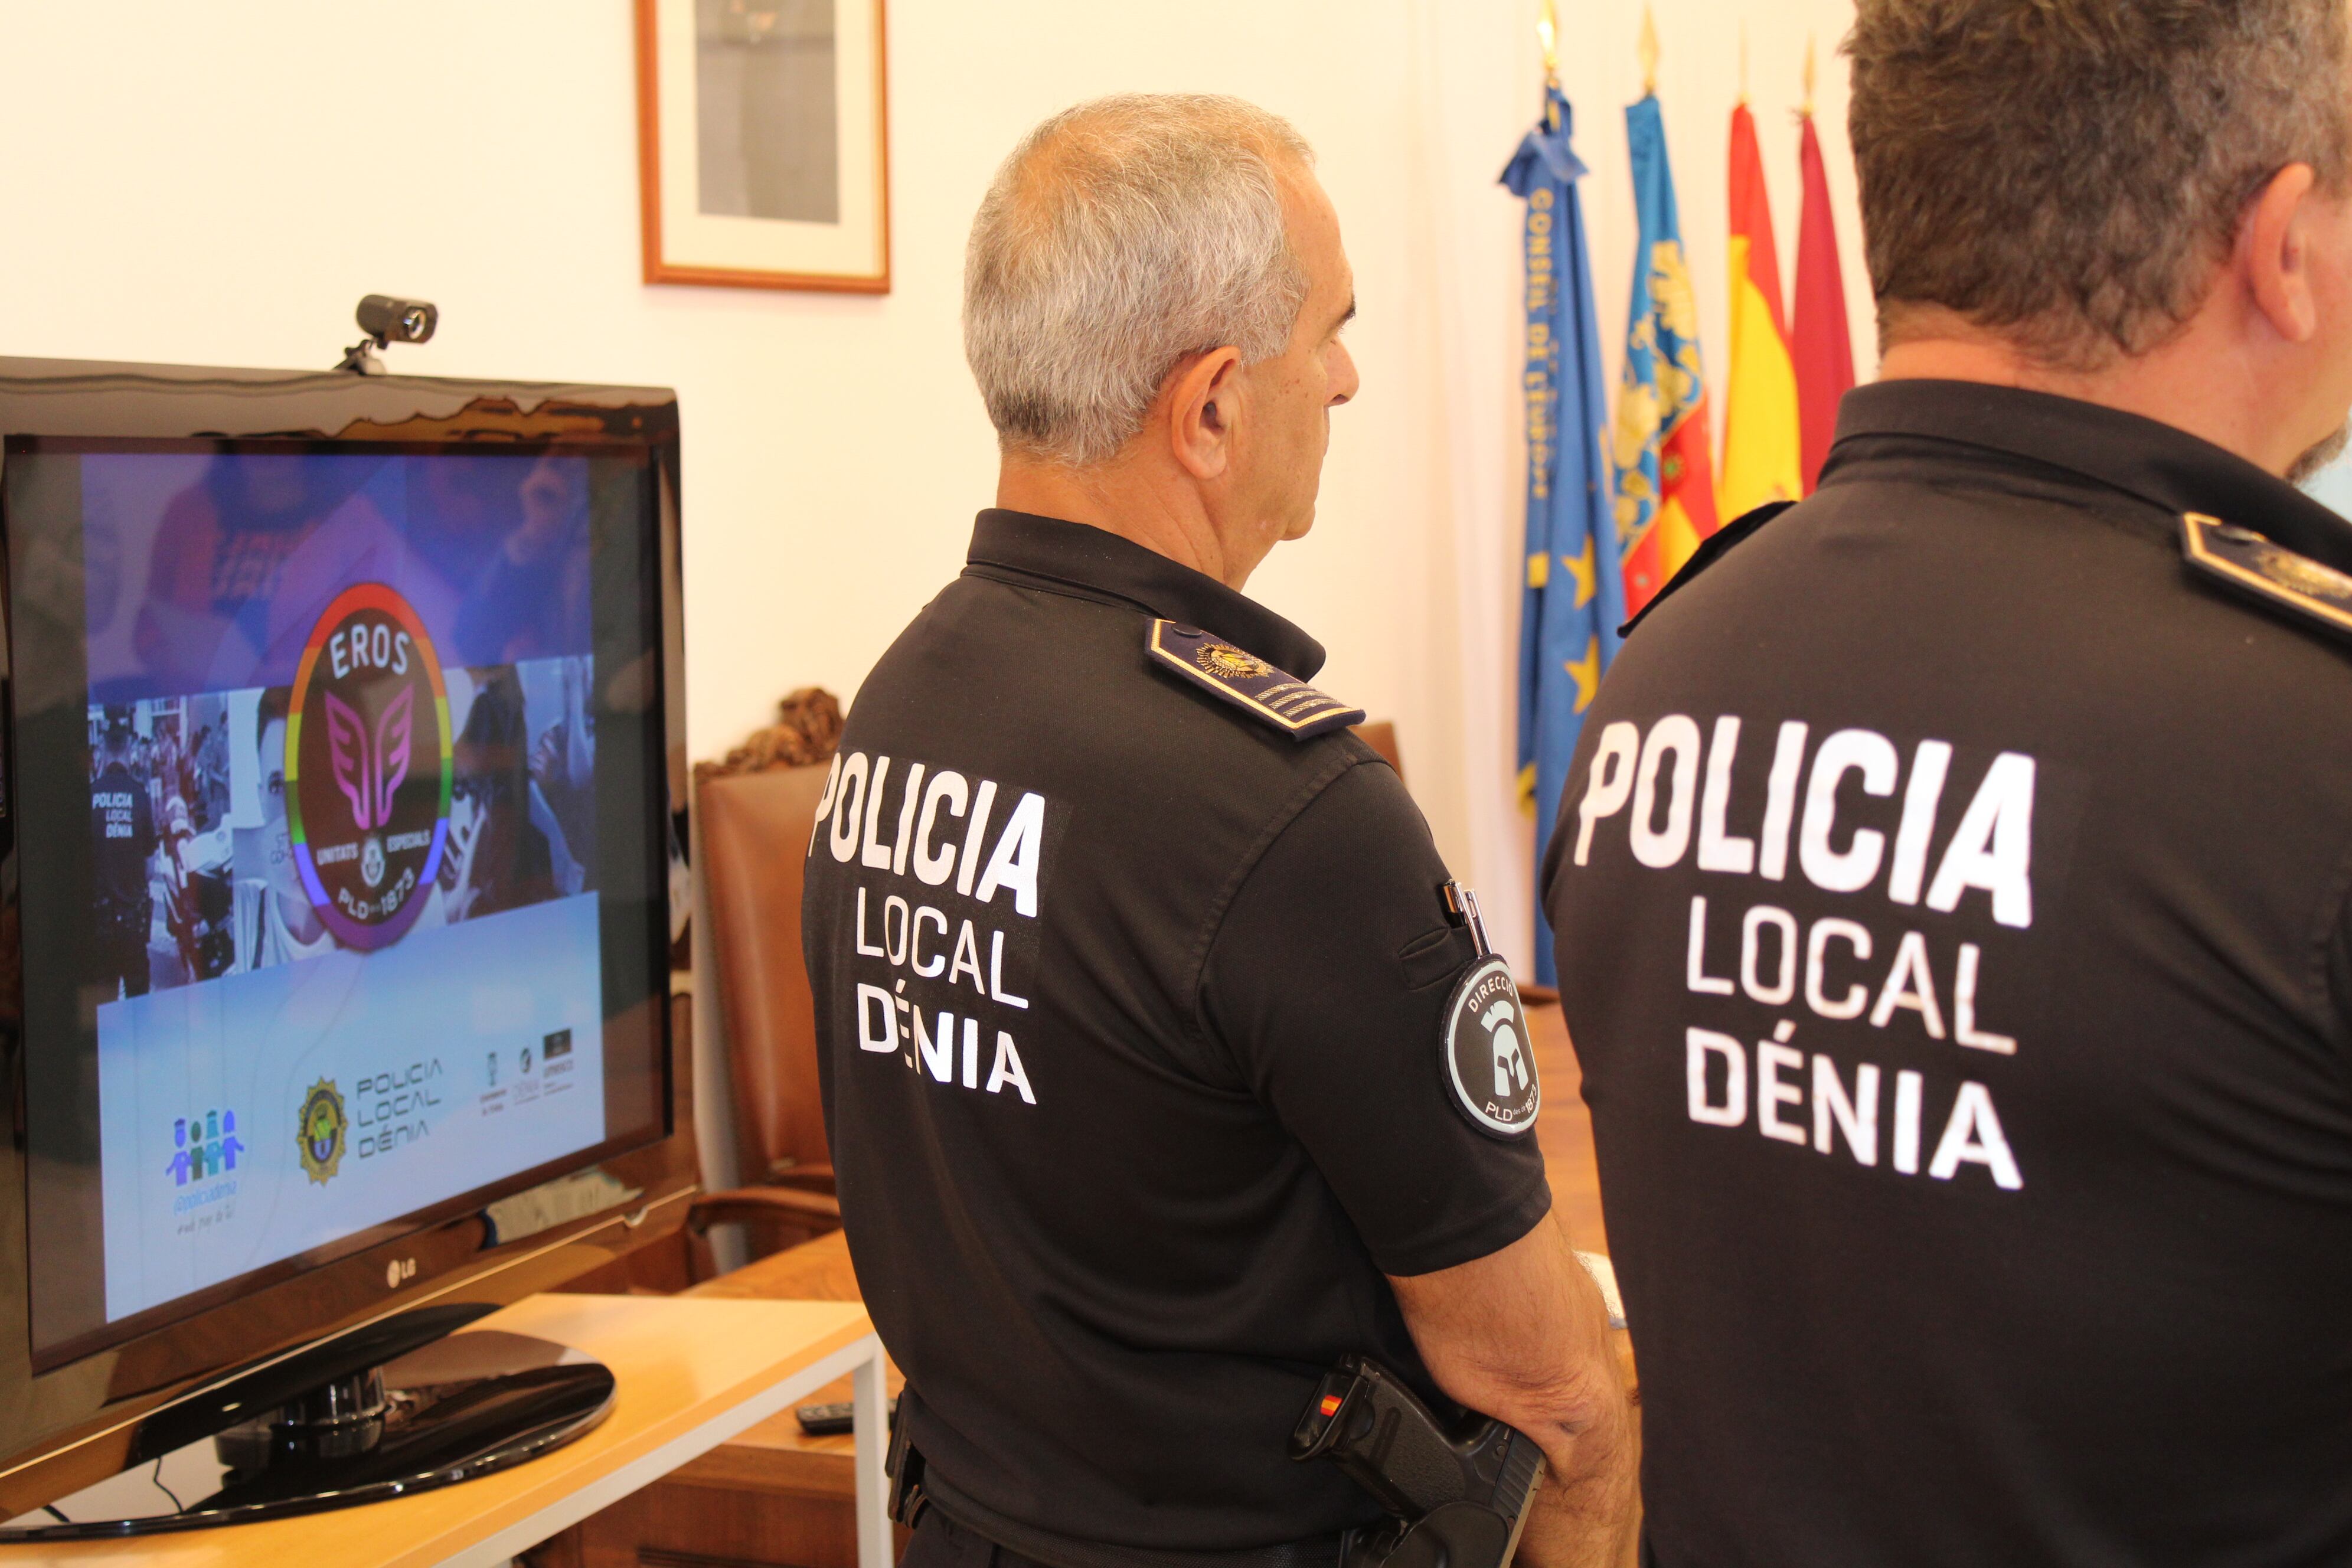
(1523, 1335)
(1583, 1516)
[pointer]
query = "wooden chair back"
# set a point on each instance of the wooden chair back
(1380, 734)
(755, 837)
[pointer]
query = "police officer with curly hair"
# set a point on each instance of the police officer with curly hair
(1953, 889)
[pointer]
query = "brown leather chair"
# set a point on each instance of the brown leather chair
(756, 828)
(755, 836)
(1380, 734)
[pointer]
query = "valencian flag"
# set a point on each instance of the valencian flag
(1574, 598)
(1666, 478)
(1761, 451)
(1823, 352)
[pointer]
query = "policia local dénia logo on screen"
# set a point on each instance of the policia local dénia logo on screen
(368, 767)
(388, 1110)
(319, 1132)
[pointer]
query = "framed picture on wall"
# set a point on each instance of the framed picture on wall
(763, 153)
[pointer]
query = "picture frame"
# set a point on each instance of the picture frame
(764, 143)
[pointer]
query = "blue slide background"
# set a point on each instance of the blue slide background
(439, 1023)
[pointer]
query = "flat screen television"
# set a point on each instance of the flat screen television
(340, 767)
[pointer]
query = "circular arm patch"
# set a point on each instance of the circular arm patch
(1488, 1058)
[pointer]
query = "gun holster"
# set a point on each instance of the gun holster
(904, 1465)
(1457, 1496)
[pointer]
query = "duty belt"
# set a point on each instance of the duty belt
(915, 1487)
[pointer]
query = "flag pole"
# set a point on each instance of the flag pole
(1820, 343)
(1649, 53)
(1548, 33)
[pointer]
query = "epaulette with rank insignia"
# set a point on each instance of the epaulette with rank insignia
(1248, 682)
(2251, 564)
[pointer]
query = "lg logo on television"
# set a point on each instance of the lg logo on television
(399, 1272)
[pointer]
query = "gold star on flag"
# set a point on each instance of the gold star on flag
(1580, 568)
(1586, 673)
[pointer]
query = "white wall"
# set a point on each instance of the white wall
(218, 183)
(1482, 91)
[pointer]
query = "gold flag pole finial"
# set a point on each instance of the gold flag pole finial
(1649, 52)
(1808, 76)
(1548, 31)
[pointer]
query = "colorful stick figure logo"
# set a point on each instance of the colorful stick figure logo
(319, 1131)
(203, 1146)
(368, 766)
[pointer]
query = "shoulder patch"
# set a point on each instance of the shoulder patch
(2245, 560)
(1486, 1053)
(1248, 682)
(1712, 549)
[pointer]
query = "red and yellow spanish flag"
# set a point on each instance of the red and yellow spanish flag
(1762, 457)
(1823, 350)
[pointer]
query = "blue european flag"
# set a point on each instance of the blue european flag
(1574, 600)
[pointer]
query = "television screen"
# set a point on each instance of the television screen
(334, 887)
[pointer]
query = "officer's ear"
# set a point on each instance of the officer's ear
(1203, 404)
(2276, 252)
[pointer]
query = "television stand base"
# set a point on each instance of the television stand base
(457, 1407)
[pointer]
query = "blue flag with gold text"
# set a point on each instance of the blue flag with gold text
(1574, 597)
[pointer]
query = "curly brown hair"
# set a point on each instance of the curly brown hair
(2069, 172)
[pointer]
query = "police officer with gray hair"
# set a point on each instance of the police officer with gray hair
(1160, 1072)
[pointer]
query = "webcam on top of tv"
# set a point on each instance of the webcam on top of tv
(387, 320)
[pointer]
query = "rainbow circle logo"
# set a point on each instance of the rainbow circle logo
(368, 767)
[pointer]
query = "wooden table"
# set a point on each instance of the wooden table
(773, 1494)
(692, 1373)
(776, 1455)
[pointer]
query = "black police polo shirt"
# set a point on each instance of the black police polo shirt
(1950, 891)
(1129, 1005)
(123, 830)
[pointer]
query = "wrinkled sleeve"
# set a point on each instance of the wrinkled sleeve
(1326, 984)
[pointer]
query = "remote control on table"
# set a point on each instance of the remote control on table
(829, 1420)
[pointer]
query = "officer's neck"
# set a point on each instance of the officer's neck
(1155, 505)
(2209, 380)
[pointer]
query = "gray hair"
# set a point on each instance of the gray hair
(1121, 237)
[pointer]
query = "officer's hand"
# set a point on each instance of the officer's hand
(1522, 1335)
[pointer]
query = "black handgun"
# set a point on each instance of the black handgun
(1457, 1498)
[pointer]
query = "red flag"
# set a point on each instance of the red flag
(1761, 451)
(1821, 349)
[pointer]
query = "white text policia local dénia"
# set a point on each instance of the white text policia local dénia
(942, 826)
(1843, 970)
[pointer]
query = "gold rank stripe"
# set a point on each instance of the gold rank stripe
(2195, 525)
(1323, 706)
